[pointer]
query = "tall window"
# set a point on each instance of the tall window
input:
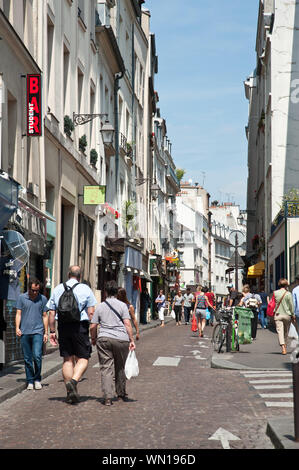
(66, 66)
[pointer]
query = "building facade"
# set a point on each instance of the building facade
(272, 133)
(97, 62)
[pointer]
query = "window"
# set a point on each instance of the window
(80, 89)
(50, 42)
(66, 66)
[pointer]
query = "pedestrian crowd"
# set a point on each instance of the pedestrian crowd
(76, 322)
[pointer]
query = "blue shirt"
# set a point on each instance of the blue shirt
(295, 294)
(161, 304)
(83, 294)
(32, 313)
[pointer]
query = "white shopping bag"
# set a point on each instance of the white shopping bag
(131, 366)
(292, 332)
(172, 314)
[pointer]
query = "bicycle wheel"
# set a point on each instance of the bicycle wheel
(217, 337)
(222, 339)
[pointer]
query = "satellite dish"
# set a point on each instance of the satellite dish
(16, 248)
(236, 238)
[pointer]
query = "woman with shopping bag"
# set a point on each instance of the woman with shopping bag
(283, 313)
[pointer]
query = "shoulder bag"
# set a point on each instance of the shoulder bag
(271, 309)
(113, 309)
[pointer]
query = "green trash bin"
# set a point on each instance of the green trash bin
(244, 327)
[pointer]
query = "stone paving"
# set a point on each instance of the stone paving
(171, 407)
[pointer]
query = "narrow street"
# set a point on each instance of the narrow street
(177, 402)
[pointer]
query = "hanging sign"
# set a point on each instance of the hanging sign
(34, 111)
(94, 195)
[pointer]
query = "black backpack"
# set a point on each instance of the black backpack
(68, 309)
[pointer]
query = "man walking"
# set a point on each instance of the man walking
(73, 328)
(188, 299)
(32, 328)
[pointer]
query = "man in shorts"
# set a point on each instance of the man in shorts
(73, 338)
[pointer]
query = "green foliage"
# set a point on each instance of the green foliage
(180, 173)
(68, 125)
(83, 143)
(129, 215)
(93, 157)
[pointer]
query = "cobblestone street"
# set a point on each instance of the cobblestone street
(171, 407)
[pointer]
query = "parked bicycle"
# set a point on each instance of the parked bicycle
(222, 331)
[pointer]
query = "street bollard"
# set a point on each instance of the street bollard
(295, 368)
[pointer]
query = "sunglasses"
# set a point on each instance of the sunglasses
(34, 290)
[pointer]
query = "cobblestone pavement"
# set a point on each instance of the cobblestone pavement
(171, 407)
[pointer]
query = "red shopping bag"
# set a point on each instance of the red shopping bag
(194, 324)
(271, 307)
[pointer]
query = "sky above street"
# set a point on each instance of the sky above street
(206, 50)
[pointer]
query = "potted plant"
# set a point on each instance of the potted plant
(93, 157)
(68, 126)
(83, 143)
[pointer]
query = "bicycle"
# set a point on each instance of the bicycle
(221, 330)
(235, 334)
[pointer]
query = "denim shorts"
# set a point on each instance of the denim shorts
(201, 314)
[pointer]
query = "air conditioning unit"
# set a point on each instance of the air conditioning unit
(33, 188)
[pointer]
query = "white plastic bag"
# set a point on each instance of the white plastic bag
(292, 332)
(172, 314)
(131, 365)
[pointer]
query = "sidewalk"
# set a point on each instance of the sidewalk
(263, 354)
(13, 379)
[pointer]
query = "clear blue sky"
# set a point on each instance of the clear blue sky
(205, 51)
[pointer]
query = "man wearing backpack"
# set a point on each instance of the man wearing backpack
(72, 304)
(252, 301)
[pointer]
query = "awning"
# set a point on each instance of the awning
(146, 276)
(256, 270)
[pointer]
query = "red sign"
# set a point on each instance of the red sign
(34, 111)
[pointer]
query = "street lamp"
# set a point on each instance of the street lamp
(155, 190)
(107, 133)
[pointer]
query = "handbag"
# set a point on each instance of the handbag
(273, 309)
(194, 324)
(208, 315)
(172, 314)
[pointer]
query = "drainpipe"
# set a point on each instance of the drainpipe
(116, 134)
(133, 113)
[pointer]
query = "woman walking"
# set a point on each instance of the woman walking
(200, 309)
(177, 306)
(114, 339)
(283, 313)
(122, 296)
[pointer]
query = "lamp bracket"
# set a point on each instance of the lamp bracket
(79, 119)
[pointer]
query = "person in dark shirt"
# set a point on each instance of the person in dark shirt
(233, 297)
(263, 308)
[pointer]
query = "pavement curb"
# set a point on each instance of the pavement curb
(281, 433)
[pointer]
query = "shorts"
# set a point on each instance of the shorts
(201, 314)
(74, 340)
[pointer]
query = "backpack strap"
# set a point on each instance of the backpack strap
(113, 309)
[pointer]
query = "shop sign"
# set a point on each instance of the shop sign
(94, 195)
(110, 210)
(34, 111)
